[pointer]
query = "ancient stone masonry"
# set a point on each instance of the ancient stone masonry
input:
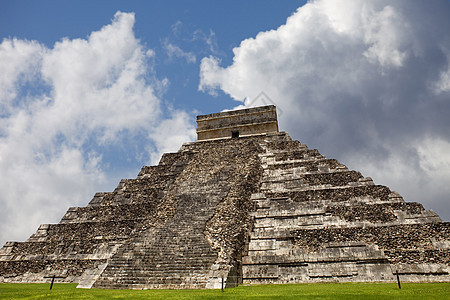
(232, 124)
(256, 208)
(317, 221)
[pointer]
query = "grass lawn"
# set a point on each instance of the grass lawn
(439, 291)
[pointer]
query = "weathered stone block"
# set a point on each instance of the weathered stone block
(247, 122)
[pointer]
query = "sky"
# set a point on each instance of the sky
(90, 91)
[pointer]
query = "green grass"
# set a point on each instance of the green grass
(439, 291)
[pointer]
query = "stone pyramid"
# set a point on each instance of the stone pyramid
(244, 203)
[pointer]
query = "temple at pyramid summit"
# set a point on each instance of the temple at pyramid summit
(244, 203)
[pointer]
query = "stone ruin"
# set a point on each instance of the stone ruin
(245, 203)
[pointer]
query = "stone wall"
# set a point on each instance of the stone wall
(245, 122)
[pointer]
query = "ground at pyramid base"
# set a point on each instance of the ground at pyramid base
(243, 204)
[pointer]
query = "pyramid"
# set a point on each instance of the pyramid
(244, 204)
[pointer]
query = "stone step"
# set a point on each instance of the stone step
(341, 178)
(159, 264)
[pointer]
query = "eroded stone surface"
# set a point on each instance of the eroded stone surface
(255, 209)
(317, 221)
(237, 123)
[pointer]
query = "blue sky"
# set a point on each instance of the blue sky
(91, 91)
(182, 23)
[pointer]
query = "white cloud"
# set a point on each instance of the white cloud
(197, 40)
(59, 106)
(170, 134)
(443, 84)
(209, 39)
(20, 61)
(434, 157)
(177, 28)
(363, 81)
(173, 51)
